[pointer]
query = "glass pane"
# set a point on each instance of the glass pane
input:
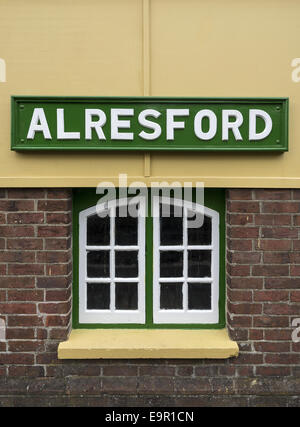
(199, 296)
(98, 296)
(171, 296)
(126, 296)
(126, 228)
(98, 230)
(171, 263)
(126, 263)
(199, 263)
(200, 235)
(98, 264)
(171, 231)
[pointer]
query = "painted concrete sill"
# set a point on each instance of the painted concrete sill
(147, 344)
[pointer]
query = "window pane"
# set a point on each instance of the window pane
(98, 230)
(171, 296)
(200, 235)
(98, 296)
(171, 263)
(98, 264)
(126, 263)
(199, 296)
(171, 232)
(199, 263)
(126, 230)
(126, 296)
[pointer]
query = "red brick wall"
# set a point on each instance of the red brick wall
(263, 297)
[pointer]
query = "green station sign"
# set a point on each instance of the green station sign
(149, 123)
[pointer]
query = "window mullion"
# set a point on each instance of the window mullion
(185, 262)
(112, 260)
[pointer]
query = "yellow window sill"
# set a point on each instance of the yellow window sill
(148, 344)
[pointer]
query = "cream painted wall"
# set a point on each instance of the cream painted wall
(150, 47)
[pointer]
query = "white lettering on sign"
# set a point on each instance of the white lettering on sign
(38, 124)
(212, 124)
(121, 120)
(97, 125)
(117, 124)
(149, 124)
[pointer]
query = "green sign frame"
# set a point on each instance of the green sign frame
(149, 123)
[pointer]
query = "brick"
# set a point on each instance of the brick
(270, 270)
(295, 270)
(58, 295)
(54, 308)
(19, 205)
(16, 359)
(239, 194)
(273, 296)
(25, 346)
(283, 359)
(243, 207)
(241, 321)
(20, 333)
(53, 256)
(240, 245)
(54, 205)
(239, 295)
(58, 269)
(16, 231)
(160, 370)
(245, 308)
(58, 218)
(272, 347)
(25, 244)
(25, 295)
(271, 219)
(279, 233)
(246, 283)
(17, 282)
(245, 257)
(273, 245)
(278, 334)
(120, 371)
(25, 321)
(53, 282)
(281, 283)
(276, 257)
(58, 193)
(25, 218)
(281, 309)
(119, 385)
(295, 296)
(26, 269)
(57, 244)
(17, 256)
(2, 219)
(26, 193)
(239, 270)
(272, 194)
(243, 232)
(53, 231)
(26, 371)
(276, 371)
(17, 308)
(268, 321)
(239, 219)
(281, 207)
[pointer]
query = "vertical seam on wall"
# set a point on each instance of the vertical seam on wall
(146, 68)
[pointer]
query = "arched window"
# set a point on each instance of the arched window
(149, 267)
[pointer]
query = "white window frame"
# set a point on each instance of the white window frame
(185, 316)
(112, 315)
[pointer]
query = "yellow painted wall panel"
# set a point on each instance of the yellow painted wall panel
(150, 47)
